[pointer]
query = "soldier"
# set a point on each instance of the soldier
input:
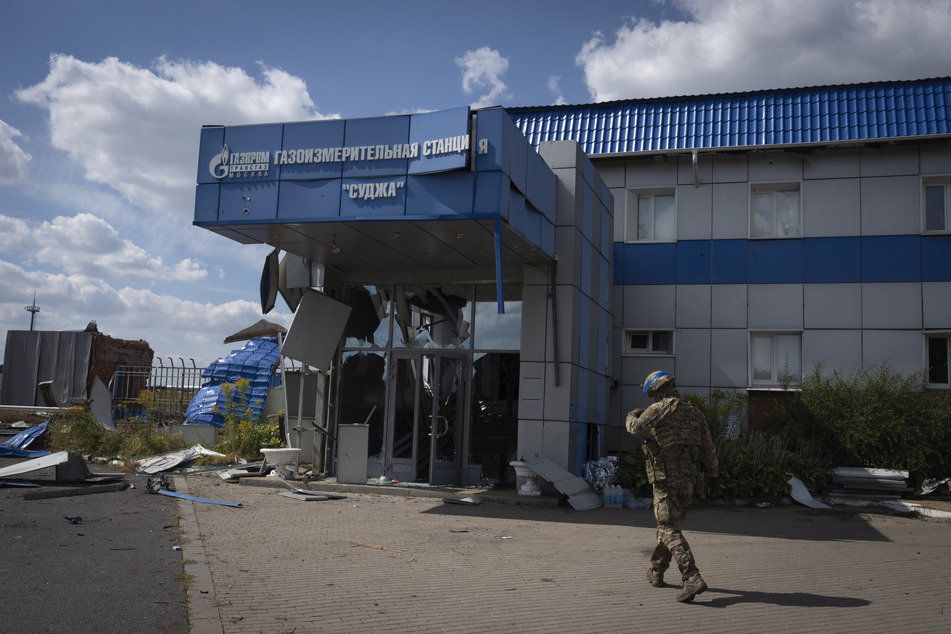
(675, 435)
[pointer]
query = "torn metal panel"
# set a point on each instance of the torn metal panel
(100, 404)
(580, 496)
(801, 494)
(23, 439)
(170, 460)
(315, 330)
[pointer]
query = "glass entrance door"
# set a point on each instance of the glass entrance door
(427, 416)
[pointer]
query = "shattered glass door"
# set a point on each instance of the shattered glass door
(427, 414)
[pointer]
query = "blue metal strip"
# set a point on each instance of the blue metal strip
(182, 496)
(498, 264)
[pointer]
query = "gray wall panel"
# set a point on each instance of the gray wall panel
(775, 306)
(693, 305)
(936, 305)
(728, 358)
(832, 207)
(834, 349)
(902, 350)
(894, 305)
(650, 307)
(891, 205)
(729, 306)
(694, 212)
(731, 213)
(832, 305)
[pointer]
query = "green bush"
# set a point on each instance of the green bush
(878, 418)
(77, 429)
(244, 435)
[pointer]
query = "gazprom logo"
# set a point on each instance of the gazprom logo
(231, 164)
(219, 163)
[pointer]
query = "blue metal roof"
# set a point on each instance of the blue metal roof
(828, 114)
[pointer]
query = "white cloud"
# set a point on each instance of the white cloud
(554, 82)
(88, 246)
(136, 129)
(171, 325)
(14, 162)
(482, 69)
(735, 45)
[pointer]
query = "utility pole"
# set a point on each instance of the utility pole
(33, 309)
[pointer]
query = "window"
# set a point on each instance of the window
(775, 357)
(775, 212)
(651, 215)
(937, 203)
(937, 360)
(652, 342)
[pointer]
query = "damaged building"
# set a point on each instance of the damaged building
(510, 276)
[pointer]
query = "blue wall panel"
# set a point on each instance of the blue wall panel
(309, 200)
(694, 262)
(244, 200)
(360, 207)
(206, 203)
(255, 138)
(212, 140)
(832, 259)
(936, 258)
(730, 265)
(775, 261)
(313, 135)
(376, 131)
(650, 263)
(443, 194)
(437, 125)
(891, 259)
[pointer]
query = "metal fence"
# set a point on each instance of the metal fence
(157, 394)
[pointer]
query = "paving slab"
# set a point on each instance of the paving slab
(409, 562)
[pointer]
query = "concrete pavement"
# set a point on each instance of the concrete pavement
(396, 561)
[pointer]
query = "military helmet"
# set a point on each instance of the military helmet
(656, 380)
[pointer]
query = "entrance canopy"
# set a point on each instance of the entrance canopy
(442, 191)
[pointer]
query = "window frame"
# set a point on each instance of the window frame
(946, 335)
(649, 350)
(775, 380)
(773, 189)
(632, 213)
(944, 181)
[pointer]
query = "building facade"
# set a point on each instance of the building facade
(513, 274)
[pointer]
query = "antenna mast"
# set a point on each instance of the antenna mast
(33, 309)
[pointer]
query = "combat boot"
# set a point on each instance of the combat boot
(655, 577)
(691, 588)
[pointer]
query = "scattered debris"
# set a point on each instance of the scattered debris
(930, 486)
(70, 466)
(304, 497)
(868, 483)
(600, 473)
(16, 447)
(471, 500)
(160, 486)
(85, 490)
(304, 494)
(801, 494)
(378, 547)
(170, 460)
(73, 520)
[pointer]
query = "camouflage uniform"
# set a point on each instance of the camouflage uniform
(676, 435)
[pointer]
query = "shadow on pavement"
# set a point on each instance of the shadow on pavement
(783, 522)
(791, 599)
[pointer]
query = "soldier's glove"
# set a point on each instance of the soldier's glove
(636, 413)
(713, 487)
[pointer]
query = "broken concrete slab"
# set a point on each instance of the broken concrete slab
(70, 466)
(580, 495)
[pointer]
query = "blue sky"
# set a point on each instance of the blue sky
(102, 103)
